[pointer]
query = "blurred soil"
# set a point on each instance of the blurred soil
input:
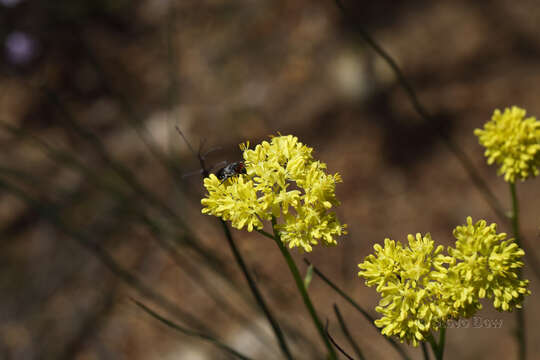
(96, 88)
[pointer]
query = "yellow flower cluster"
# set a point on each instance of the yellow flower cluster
(282, 180)
(421, 288)
(487, 266)
(407, 278)
(513, 142)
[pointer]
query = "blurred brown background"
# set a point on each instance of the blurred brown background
(94, 209)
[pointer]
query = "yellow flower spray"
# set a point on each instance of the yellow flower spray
(282, 181)
(421, 288)
(512, 141)
(285, 185)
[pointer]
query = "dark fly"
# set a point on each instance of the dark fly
(228, 171)
(231, 170)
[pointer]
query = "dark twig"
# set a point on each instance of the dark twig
(493, 202)
(481, 185)
(425, 350)
(215, 264)
(91, 325)
(183, 262)
(103, 256)
(189, 332)
(256, 293)
(198, 154)
(340, 349)
(520, 313)
(130, 179)
(366, 315)
(243, 267)
(347, 334)
(302, 289)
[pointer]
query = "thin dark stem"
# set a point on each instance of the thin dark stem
(268, 235)
(256, 293)
(240, 260)
(340, 349)
(172, 62)
(493, 202)
(515, 213)
(520, 314)
(64, 157)
(91, 325)
(205, 173)
(347, 334)
(189, 332)
(47, 212)
(134, 117)
(434, 346)
(301, 287)
(425, 350)
(189, 145)
(442, 341)
(216, 293)
(364, 313)
(481, 185)
(438, 349)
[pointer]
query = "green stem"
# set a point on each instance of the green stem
(268, 235)
(364, 313)
(256, 293)
(301, 287)
(434, 345)
(442, 341)
(425, 350)
(520, 315)
(438, 349)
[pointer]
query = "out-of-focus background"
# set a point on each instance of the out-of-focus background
(96, 210)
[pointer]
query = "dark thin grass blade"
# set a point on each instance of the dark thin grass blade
(347, 334)
(256, 292)
(167, 246)
(177, 256)
(490, 197)
(366, 315)
(336, 345)
(103, 256)
(425, 350)
(189, 332)
(125, 174)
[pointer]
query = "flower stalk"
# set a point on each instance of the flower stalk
(257, 294)
(520, 316)
(302, 289)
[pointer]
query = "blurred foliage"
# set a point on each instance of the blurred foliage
(93, 206)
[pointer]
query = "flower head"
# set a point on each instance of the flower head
(513, 142)
(421, 288)
(407, 279)
(282, 180)
(487, 266)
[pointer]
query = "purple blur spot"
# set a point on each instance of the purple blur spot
(20, 47)
(10, 3)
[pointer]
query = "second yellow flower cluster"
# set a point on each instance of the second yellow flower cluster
(421, 288)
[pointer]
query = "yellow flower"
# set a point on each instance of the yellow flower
(282, 180)
(487, 265)
(513, 142)
(407, 279)
(237, 202)
(421, 288)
